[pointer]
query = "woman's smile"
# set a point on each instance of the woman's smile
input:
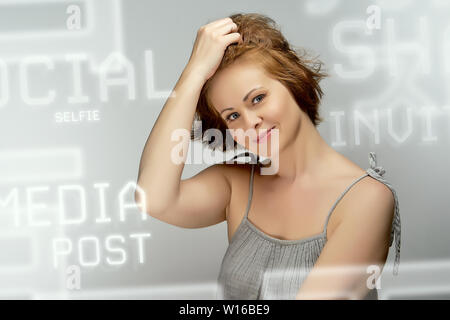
(264, 136)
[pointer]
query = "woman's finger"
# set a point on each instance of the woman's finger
(219, 23)
(227, 28)
(232, 37)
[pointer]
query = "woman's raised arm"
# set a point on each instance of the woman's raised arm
(205, 196)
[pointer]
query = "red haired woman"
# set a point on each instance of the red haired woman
(321, 226)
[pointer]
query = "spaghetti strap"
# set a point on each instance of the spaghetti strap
(250, 192)
(338, 199)
(377, 173)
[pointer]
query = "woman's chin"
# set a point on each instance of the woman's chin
(266, 150)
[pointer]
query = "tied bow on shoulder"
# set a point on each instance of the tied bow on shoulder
(373, 164)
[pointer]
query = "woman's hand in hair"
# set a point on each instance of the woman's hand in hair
(210, 44)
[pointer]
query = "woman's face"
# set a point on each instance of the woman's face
(248, 99)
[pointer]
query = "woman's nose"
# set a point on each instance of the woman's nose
(254, 120)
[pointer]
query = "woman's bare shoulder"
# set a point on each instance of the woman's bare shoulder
(235, 172)
(366, 192)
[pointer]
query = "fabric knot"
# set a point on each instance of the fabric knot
(373, 164)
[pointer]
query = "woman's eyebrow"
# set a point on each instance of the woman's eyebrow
(225, 110)
(245, 98)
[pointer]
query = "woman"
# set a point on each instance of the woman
(243, 75)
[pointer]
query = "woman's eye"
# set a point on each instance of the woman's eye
(228, 118)
(261, 95)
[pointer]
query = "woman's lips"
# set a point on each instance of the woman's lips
(264, 136)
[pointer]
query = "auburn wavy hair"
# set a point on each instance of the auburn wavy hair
(263, 43)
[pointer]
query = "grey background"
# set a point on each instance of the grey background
(184, 263)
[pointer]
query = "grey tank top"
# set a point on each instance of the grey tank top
(259, 266)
